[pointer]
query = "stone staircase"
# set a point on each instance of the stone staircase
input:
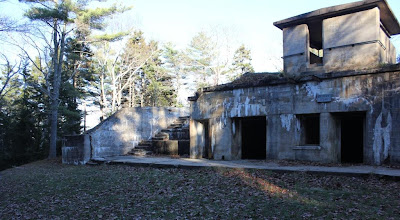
(174, 140)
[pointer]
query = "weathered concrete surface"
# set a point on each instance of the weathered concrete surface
(124, 130)
(356, 41)
(121, 132)
(351, 29)
(295, 49)
(164, 162)
(355, 36)
(363, 56)
(197, 139)
(172, 147)
(295, 40)
(377, 94)
(76, 149)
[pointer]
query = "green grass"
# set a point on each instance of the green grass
(50, 190)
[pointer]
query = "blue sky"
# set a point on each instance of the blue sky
(250, 21)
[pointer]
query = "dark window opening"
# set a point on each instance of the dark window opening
(309, 129)
(352, 138)
(316, 49)
(254, 138)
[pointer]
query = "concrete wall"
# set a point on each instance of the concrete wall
(124, 130)
(361, 56)
(295, 49)
(388, 51)
(351, 29)
(76, 149)
(121, 132)
(375, 94)
(356, 41)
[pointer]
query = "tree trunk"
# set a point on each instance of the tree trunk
(142, 93)
(114, 91)
(102, 98)
(57, 66)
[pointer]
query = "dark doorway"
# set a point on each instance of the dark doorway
(352, 137)
(207, 153)
(254, 138)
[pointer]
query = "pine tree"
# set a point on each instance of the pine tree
(199, 58)
(149, 84)
(242, 61)
(174, 66)
(60, 15)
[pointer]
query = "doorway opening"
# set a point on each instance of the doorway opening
(352, 137)
(254, 138)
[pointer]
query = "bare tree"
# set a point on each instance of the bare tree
(7, 74)
(120, 69)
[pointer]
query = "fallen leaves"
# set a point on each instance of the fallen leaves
(55, 191)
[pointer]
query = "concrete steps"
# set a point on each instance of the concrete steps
(174, 140)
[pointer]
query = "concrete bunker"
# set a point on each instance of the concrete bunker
(334, 103)
(254, 138)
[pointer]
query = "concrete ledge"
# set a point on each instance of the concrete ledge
(307, 147)
(162, 162)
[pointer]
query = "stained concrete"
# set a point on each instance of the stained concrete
(363, 26)
(375, 93)
(120, 133)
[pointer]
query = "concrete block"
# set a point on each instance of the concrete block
(362, 56)
(172, 147)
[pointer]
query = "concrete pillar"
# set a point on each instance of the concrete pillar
(295, 49)
(221, 138)
(329, 139)
(197, 140)
(273, 137)
(236, 139)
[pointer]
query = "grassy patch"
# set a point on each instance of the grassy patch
(48, 189)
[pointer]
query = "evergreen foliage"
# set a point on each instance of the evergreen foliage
(242, 61)
(60, 16)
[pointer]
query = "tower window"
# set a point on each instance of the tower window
(315, 38)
